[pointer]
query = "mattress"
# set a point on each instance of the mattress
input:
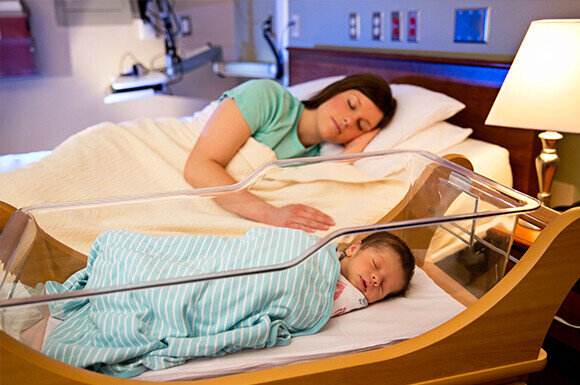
(489, 160)
(11, 162)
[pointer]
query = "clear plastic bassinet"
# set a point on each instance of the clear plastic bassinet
(458, 224)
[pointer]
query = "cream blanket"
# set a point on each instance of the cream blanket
(147, 156)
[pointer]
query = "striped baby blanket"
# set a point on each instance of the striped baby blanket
(125, 334)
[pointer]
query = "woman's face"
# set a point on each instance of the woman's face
(374, 272)
(346, 116)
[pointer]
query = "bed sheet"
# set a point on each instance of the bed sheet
(425, 307)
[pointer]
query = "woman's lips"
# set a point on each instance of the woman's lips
(337, 126)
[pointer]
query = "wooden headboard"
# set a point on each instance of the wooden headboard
(473, 82)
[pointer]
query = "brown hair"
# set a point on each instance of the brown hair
(372, 86)
(384, 240)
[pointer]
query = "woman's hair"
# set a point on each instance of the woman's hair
(385, 240)
(372, 86)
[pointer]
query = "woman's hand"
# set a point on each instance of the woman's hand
(299, 216)
(359, 143)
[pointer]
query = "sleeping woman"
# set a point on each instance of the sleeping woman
(148, 157)
(127, 333)
(350, 111)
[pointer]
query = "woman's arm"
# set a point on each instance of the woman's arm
(223, 135)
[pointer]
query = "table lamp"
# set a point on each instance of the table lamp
(542, 91)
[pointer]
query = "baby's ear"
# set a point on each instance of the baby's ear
(352, 249)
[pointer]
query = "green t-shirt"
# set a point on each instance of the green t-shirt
(272, 114)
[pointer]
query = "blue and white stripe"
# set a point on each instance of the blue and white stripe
(126, 333)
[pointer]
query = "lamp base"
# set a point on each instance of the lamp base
(547, 164)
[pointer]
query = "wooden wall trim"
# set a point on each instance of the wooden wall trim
(433, 57)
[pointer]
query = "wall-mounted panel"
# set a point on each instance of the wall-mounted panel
(471, 25)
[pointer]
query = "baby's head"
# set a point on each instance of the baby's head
(380, 266)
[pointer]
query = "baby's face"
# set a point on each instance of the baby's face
(375, 272)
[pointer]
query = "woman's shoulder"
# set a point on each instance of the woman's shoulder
(259, 86)
(260, 92)
(265, 85)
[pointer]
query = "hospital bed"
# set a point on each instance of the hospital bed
(498, 335)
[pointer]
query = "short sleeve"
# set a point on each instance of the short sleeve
(257, 100)
(272, 113)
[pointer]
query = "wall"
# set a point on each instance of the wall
(75, 65)
(325, 22)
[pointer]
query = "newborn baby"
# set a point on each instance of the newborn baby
(379, 266)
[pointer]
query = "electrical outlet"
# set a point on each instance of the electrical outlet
(185, 22)
(413, 27)
(396, 25)
(295, 25)
(354, 26)
(377, 26)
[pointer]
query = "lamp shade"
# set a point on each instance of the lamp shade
(542, 88)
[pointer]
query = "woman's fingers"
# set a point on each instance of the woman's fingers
(301, 227)
(305, 218)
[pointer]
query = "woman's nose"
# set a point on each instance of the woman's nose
(347, 119)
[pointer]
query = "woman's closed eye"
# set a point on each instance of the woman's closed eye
(361, 124)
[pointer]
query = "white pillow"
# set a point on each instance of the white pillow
(435, 139)
(417, 109)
